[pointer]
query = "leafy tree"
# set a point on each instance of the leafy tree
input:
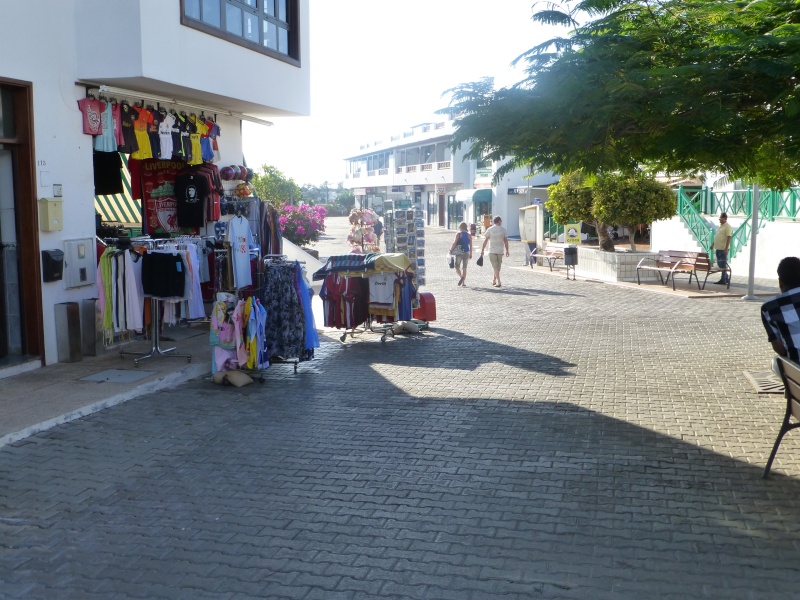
(274, 187)
(571, 200)
(665, 85)
(631, 200)
(345, 200)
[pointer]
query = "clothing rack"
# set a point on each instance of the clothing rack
(155, 337)
(155, 309)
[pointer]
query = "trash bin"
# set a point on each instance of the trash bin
(571, 256)
(68, 332)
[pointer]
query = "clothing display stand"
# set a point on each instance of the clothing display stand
(155, 336)
(351, 266)
(276, 360)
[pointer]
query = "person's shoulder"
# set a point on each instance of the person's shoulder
(787, 298)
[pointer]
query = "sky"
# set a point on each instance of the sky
(379, 67)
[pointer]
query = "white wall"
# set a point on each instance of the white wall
(145, 39)
(774, 241)
(63, 154)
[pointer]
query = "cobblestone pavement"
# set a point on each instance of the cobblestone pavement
(548, 439)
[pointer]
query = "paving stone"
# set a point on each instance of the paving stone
(550, 439)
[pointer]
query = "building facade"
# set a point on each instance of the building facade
(233, 60)
(418, 165)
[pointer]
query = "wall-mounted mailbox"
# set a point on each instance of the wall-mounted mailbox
(52, 265)
(50, 214)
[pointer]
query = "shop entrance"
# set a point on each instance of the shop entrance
(20, 287)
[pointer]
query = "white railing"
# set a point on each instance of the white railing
(443, 165)
(426, 167)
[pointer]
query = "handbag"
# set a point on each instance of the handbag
(451, 260)
(479, 262)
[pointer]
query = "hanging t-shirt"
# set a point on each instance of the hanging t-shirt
(191, 192)
(92, 110)
(126, 118)
(177, 143)
(106, 141)
(381, 288)
(240, 237)
(107, 173)
(213, 134)
(186, 128)
(152, 130)
(165, 135)
(195, 130)
(140, 126)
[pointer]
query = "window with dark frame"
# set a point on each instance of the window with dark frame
(267, 26)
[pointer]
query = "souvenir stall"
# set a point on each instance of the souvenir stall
(369, 293)
(206, 237)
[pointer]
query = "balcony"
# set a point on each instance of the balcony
(441, 166)
(426, 167)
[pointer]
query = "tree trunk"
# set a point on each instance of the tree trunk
(632, 237)
(606, 243)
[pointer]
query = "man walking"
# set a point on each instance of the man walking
(497, 238)
(722, 243)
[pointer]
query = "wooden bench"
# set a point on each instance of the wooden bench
(553, 252)
(673, 262)
(790, 374)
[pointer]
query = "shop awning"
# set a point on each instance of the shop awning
(472, 195)
(120, 208)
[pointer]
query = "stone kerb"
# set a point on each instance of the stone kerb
(612, 266)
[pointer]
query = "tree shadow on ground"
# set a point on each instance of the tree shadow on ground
(441, 348)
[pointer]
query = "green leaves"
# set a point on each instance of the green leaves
(669, 85)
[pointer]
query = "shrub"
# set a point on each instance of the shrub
(302, 225)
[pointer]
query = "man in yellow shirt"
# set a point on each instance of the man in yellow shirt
(722, 243)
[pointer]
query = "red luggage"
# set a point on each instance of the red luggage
(427, 307)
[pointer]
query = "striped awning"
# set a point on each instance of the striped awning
(120, 208)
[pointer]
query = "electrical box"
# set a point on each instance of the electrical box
(50, 214)
(80, 267)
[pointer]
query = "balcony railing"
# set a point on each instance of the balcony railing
(443, 165)
(398, 170)
(383, 171)
(426, 167)
(411, 169)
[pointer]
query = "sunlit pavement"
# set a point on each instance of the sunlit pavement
(547, 439)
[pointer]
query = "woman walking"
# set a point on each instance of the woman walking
(462, 250)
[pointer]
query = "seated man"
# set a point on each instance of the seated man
(781, 314)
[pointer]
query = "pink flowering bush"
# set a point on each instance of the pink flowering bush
(302, 225)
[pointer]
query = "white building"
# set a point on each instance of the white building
(418, 164)
(236, 59)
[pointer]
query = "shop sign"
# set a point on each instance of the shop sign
(398, 188)
(572, 233)
(360, 191)
(516, 191)
(419, 188)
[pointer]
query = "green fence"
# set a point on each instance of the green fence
(695, 207)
